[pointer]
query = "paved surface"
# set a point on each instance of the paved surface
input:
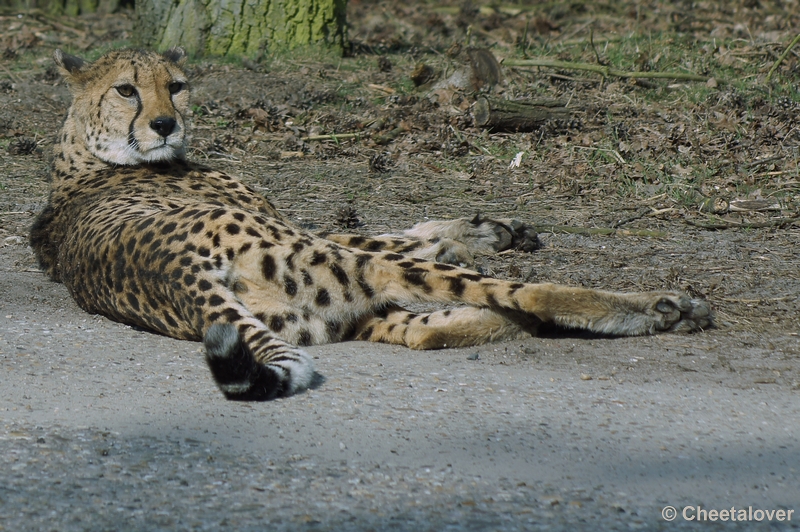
(107, 427)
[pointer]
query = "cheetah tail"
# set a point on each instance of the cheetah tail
(235, 370)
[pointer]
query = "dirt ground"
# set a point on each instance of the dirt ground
(695, 185)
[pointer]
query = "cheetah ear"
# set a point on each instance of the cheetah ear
(177, 55)
(69, 65)
(71, 69)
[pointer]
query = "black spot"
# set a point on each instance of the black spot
(245, 247)
(340, 274)
(333, 328)
(233, 229)
(144, 224)
(133, 301)
(323, 298)
(424, 320)
(185, 261)
(268, 267)
(291, 317)
(215, 300)
(304, 338)
(204, 285)
(393, 257)
(203, 251)
(470, 276)
(355, 241)
(148, 237)
(405, 264)
(410, 247)
(170, 320)
(231, 314)
(130, 245)
(216, 213)
(170, 227)
(252, 232)
(443, 267)
(457, 286)
(238, 216)
(298, 246)
(276, 323)
(289, 285)
(375, 245)
(189, 280)
(415, 276)
(365, 334)
(362, 260)
(307, 279)
(365, 287)
(318, 258)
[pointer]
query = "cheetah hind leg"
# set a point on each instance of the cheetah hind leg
(459, 327)
(243, 378)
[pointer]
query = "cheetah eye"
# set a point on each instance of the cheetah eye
(176, 87)
(126, 91)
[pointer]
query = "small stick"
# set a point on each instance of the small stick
(333, 136)
(598, 231)
(757, 225)
(780, 59)
(604, 71)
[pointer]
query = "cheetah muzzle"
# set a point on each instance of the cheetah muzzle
(141, 235)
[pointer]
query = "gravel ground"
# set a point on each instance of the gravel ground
(105, 427)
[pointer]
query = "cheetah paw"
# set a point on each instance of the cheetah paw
(679, 313)
(510, 233)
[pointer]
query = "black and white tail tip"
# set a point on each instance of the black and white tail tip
(241, 377)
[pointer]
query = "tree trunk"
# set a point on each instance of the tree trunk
(239, 27)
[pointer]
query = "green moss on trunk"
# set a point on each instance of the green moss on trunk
(239, 27)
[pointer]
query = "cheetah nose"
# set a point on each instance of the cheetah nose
(163, 125)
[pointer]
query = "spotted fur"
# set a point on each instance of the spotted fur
(140, 235)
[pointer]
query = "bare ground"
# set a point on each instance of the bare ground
(108, 427)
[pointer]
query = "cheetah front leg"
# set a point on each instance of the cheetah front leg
(455, 242)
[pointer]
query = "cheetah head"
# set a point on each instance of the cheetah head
(129, 106)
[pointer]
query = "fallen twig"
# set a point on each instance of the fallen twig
(333, 136)
(780, 222)
(604, 71)
(641, 214)
(598, 231)
(780, 59)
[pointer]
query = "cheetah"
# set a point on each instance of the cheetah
(145, 237)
